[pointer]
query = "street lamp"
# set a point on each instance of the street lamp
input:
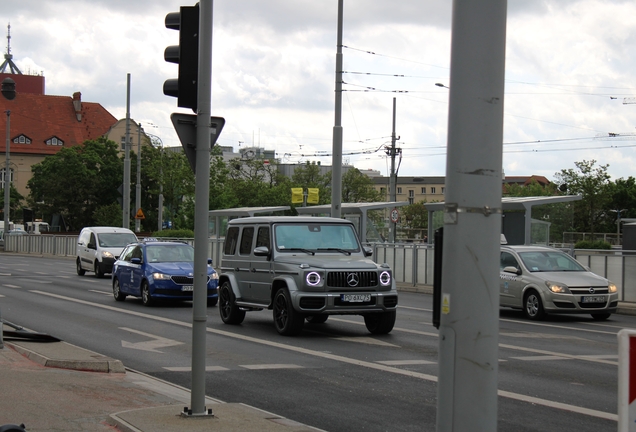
(8, 91)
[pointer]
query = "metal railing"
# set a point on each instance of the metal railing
(412, 263)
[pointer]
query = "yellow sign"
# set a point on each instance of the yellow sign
(446, 304)
(297, 195)
(312, 195)
(140, 214)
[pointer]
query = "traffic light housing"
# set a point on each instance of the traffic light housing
(186, 54)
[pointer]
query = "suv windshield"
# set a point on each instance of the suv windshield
(549, 262)
(315, 237)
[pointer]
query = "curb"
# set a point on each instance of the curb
(82, 360)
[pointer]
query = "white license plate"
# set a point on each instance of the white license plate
(187, 288)
(355, 298)
(593, 299)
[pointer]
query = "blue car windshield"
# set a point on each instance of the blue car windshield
(169, 253)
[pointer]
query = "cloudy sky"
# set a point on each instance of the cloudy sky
(570, 65)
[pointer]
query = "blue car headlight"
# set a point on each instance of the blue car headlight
(160, 276)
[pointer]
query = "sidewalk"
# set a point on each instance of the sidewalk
(55, 386)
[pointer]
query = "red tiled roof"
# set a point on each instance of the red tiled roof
(41, 117)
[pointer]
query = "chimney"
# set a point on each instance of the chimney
(77, 104)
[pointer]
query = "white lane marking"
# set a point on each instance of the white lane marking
(539, 358)
(609, 357)
(395, 328)
(427, 377)
(11, 286)
(557, 354)
(365, 340)
(188, 368)
(1, 295)
(152, 345)
(558, 327)
(271, 366)
(406, 362)
(414, 308)
(101, 292)
(538, 336)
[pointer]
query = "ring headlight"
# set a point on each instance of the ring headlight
(385, 278)
(313, 278)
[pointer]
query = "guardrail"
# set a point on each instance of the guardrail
(412, 263)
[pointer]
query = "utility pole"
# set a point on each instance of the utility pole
(138, 185)
(393, 176)
(126, 209)
(469, 324)
(336, 169)
(8, 91)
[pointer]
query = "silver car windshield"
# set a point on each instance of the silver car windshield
(550, 261)
(315, 237)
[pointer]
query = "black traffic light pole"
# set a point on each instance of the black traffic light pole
(8, 91)
(193, 89)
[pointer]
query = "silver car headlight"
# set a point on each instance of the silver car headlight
(160, 276)
(611, 288)
(557, 287)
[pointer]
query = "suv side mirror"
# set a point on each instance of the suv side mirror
(367, 251)
(261, 251)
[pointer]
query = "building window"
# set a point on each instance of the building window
(432, 190)
(54, 141)
(442, 190)
(123, 141)
(383, 191)
(22, 139)
(411, 200)
(423, 190)
(2, 176)
(399, 190)
(411, 193)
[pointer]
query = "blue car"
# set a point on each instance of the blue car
(156, 270)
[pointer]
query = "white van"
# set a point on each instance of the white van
(99, 247)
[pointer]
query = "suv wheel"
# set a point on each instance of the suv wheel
(230, 313)
(98, 271)
(380, 323)
(533, 306)
(288, 322)
(80, 270)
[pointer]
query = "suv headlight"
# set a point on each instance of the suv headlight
(160, 276)
(611, 288)
(557, 287)
(314, 279)
(385, 278)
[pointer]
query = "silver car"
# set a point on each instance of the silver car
(541, 280)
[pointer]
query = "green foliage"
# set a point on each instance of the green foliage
(108, 215)
(414, 216)
(357, 188)
(592, 244)
(592, 183)
(174, 233)
(16, 201)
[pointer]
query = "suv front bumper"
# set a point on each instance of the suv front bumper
(332, 302)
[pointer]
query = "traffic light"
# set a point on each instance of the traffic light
(297, 196)
(8, 88)
(313, 195)
(186, 54)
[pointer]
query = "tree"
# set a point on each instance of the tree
(414, 216)
(592, 183)
(357, 187)
(15, 203)
(76, 181)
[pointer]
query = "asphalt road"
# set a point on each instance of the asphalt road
(559, 374)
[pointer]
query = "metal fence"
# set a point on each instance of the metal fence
(412, 263)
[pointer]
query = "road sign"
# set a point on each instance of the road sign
(140, 214)
(186, 127)
(395, 215)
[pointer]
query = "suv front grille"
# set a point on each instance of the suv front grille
(341, 279)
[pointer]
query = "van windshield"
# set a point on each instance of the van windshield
(115, 239)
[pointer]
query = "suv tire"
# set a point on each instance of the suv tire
(287, 320)
(230, 313)
(380, 323)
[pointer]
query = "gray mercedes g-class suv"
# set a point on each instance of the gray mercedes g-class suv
(303, 268)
